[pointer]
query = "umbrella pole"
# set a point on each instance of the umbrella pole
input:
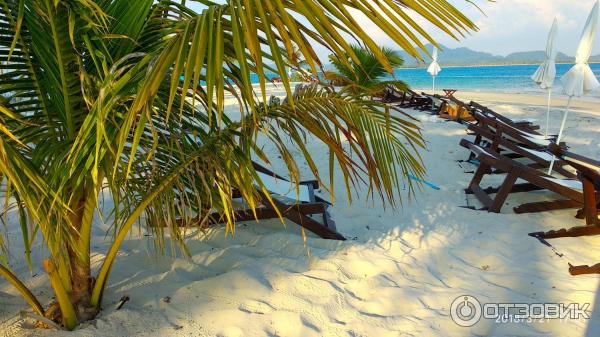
(560, 133)
(564, 121)
(433, 93)
(548, 112)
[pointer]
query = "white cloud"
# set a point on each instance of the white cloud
(507, 26)
(522, 25)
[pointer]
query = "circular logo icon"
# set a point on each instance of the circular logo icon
(465, 311)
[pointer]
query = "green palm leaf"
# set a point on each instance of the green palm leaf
(129, 96)
(367, 77)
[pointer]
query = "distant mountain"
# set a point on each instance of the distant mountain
(536, 57)
(458, 56)
(465, 56)
(468, 57)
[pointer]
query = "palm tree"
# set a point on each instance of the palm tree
(298, 60)
(128, 97)
(367, 75)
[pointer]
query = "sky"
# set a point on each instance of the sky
(507, 26)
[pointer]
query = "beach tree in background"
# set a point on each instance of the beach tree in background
(368, 76)
(125, 99)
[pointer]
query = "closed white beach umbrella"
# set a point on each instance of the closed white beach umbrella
(546, 73)
(580, 79)
(434, 68)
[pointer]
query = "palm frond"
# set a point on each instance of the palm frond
(130, 96)
(368, 76)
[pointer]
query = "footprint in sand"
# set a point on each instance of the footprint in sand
(255, 307)
(231, 331)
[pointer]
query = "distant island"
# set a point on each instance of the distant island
(462, 57)
(468, 57)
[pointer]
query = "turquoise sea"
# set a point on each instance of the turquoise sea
(511, 79)
(506, 79)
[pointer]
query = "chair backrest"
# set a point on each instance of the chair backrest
(506, 164)
(437, 102)
(414, 94)
(478, 150)
(499, 127)
(285, 188)
(459, 102)
(483, 109)
(532, 137)
(587, 166)
(589, 173)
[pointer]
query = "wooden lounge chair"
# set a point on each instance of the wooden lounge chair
(434, 105)
(584, 193)
(571, 190)
(517, 132)
(515, 143)
(296, 207)
(456, 110)
(589, 173)
(524, 124)
(393, 96)
(449, 92)
(415, 100)
(406, 99)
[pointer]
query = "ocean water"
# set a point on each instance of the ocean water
(510, 79)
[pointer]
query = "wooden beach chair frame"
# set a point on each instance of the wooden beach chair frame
(431, 107)
(520, 124)
(535, 179)
(393, 96)
(299, 212)
(406, 99)
(490, 124)
(463, 111)
(414, 100)
(589, 173)
(502, 138)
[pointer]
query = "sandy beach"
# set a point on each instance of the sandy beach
(586, 105)
(397, 275)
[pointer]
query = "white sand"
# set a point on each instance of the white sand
(396, 276)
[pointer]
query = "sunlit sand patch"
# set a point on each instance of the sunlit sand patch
(398, 273)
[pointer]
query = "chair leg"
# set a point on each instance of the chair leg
(483, 197)
(544, 206)
(478, 176)
(296, 213)
(505, 189)
(572, 232)
(261, 213)
(478, 139)
(293, 213)
(582, 270)
(475, 188)
(517, 188)
(590, 202)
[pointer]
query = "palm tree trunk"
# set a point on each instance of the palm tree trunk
(81, 276)
(81, 280)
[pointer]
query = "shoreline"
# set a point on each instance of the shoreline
(532, 98)
(488, 65)
(559, 101)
